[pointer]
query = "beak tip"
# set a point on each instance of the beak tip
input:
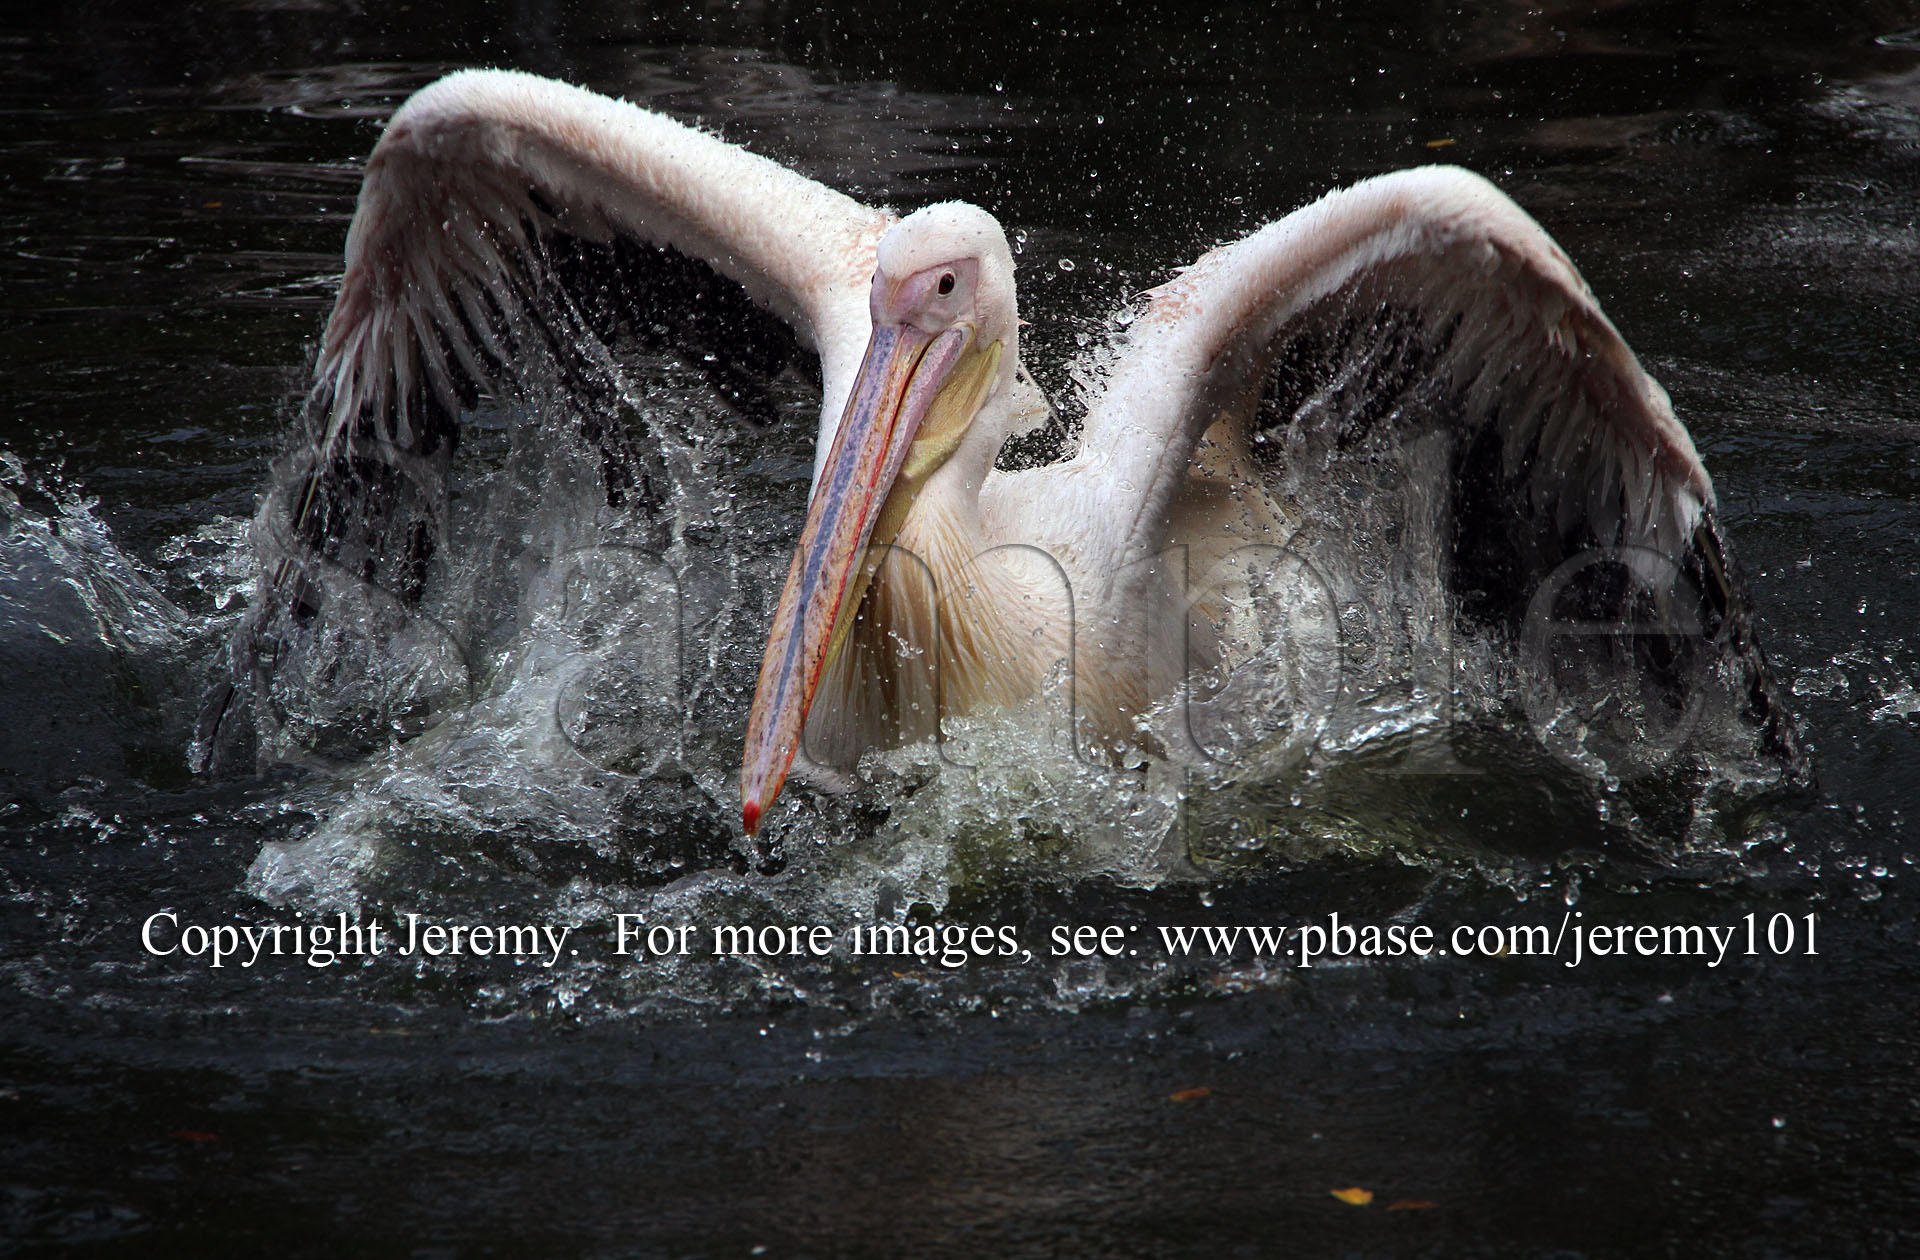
(750, 817)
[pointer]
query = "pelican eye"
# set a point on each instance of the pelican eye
(946, 283)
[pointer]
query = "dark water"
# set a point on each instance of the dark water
(1739, 185)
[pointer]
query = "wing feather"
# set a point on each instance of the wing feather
(1420, 311)
(506, 225)
(1428, 279)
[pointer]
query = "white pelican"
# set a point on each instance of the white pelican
(1417, 306)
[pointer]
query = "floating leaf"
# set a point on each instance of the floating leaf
(1354, 1195)
(1189, 1095)
(1439, 144)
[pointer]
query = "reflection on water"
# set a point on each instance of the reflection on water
(174, 199)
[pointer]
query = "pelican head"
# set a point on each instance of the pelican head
(943, 350)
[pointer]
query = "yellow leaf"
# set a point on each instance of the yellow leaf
(1439, 144)
(1354, 1195)
(1189, 1095)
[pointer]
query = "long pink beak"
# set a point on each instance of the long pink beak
(902, 371)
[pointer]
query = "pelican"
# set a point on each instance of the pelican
(500, 210)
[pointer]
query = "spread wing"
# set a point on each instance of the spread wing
(1419, 337)
(508, 229)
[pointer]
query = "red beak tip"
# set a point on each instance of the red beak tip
(750, 816)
